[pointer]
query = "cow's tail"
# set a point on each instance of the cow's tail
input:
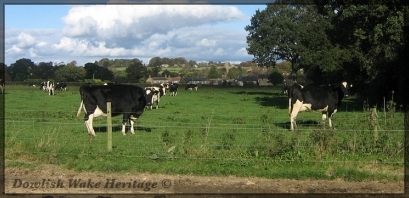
(79, 109)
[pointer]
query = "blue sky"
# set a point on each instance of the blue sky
(88, 33)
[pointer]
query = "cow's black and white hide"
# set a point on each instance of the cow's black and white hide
(128, 100)
(191, 86)
(155, 93)
(61, 86)
(326, 99)
(50, 88)
(43, 86)
(173, 89)
(2, 85)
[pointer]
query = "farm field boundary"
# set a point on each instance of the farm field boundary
(211, 132)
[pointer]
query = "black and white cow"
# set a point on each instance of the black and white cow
(61, 86)
(326, 99)
(2, 85)
(155, 93)
(191, 86)
(47, 86)
(173, 89)
(128, 100)
(43, 86)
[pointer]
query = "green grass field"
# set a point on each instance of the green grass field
(242, 131)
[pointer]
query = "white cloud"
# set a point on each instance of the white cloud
(135, 31)
(25, 40)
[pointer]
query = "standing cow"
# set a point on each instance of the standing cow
(191, 86)
(127, 100)
(326, 99)
(50, 88)
(155, 93)
(2, 85)
(61, 86)
(173, 89)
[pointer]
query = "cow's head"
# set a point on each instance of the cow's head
(148, 96)
(162, 90)
(345, 88)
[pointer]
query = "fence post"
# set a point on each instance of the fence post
(109, 126)
(374, 124)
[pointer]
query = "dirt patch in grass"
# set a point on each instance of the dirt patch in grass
(55, 180)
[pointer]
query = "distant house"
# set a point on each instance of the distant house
(156, 80)
(263, 80)
(247, 81)
(194, 80)
(215, 81)
(174, 79)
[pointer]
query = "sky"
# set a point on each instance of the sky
(88, 33)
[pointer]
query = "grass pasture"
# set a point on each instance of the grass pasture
(238, 131)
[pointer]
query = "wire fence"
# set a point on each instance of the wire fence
(227, 137)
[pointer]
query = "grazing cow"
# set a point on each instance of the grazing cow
(128, 100)
(2, 85)
(61, 86)
(43, 86)
(326, 99)
(155, 93)
(191, 86)
(173, 89)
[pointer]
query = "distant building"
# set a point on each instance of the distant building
(247, 81)
(156, 80)
(195, 80)
(263, 80)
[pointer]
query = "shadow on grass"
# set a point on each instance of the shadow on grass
(118, 128)
(300, 123)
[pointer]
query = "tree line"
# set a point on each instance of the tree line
(334, 41)
(128, 70)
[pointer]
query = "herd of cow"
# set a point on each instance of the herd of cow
(49, 87)
(128, 100)
(131, 101)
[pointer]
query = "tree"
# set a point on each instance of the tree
(288, 32)
(70, 73)
(44, 70)
(21, 69)
(372, 39)
(135, 71)
(155, 64)
(275, 78)
(213, 73)
(236, 72)
(94, 71)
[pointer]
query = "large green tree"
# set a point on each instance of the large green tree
(94, 71)
(293, 32)
(21, 70)
(70, 73)
(155, 65)
(44, 70)
(372, 40)
(136, 71)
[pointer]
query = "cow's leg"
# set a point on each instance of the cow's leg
(88, 123)
(295, 109)
(329, 118)
(123, 128)
(132, 124)
(324, 117)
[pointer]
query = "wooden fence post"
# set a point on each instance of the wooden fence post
(109, 126)
(374, 123)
